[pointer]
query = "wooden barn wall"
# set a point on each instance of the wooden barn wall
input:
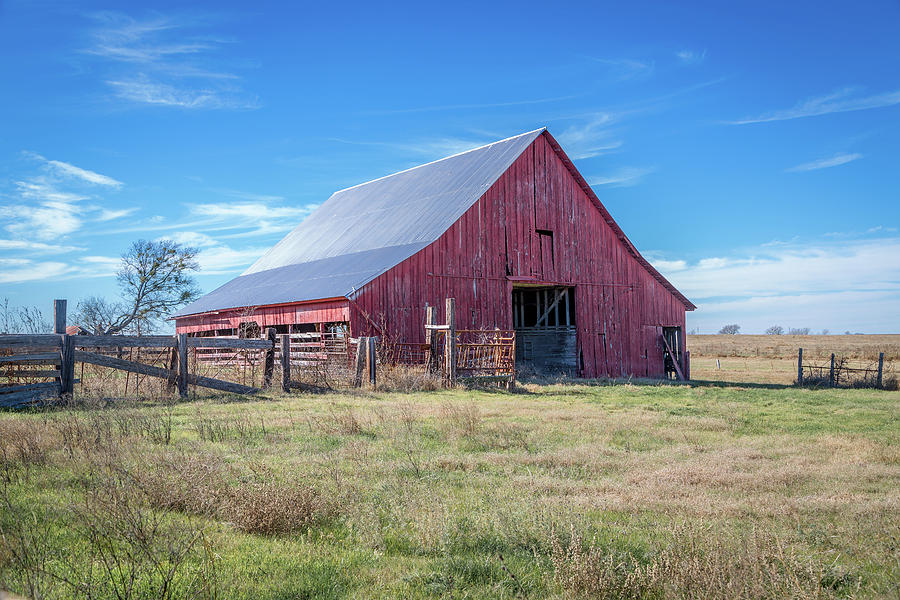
(620, 306)
(267, 316)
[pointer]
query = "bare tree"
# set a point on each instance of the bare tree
(798, 331)
(775, 330)
(154, 279)
(730, 329)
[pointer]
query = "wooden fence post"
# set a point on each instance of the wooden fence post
(450, 343)
(182, 378)
(880, 368)
(430, 337)
(372, 360)
(687, 365)
(67, 365)
(59, 316)
(269, 362)
(800, 367)
(361, 345)
(831, 372)
(286, 362)
(173, 367)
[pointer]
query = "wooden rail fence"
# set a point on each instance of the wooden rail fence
(56, 354)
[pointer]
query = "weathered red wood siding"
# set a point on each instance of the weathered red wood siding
(325, 311)
(620, 305)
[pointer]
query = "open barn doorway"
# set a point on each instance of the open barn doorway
(673, 357)
(544, 320)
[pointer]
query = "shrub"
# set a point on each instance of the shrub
(274, 508)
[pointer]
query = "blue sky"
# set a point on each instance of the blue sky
(748, 149)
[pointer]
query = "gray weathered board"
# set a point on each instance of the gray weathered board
(136, 367)
(547, 350)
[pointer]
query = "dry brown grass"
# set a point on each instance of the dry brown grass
(820, 347)
(695, 562)
(275, 508)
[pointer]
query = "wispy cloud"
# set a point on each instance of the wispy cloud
(772, 278)
(691, 57)
(839, 101)
(624, 177)
(65, 169)
(626, 68)
(51, 203)
(107, 214)
(51, 218)
(216, 257)
(468, 106)
(36, 247)
(825, 163)
(20, 271)
(590, 138)
(143, 90)
(431, 149)
(166, 61)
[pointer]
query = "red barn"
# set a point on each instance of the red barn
(511, 230)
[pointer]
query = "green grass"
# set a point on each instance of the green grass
(419, 495)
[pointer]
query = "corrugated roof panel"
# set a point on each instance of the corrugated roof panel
(362, 231)
(333, 277)
(412, 206)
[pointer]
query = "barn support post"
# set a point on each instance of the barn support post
(59, 316)
(269, 362)
(880, 368)
(430, 337)
(361, 345)
(800, 367)
(831, 371)
(182, 377)
(687, 365)
(450, 342)
(371, 361)
(286, 362)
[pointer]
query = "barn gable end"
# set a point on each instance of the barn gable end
(537, 226)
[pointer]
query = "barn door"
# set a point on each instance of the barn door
(544, 320)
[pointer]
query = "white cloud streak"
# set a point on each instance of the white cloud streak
(825, 163)
(836, 102)
(624, 177)
(691, 57)
(591, 138)
(83, 174)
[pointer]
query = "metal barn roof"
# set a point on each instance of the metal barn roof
(362, 231)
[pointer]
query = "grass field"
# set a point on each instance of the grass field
(773, 358)
(562, 490)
